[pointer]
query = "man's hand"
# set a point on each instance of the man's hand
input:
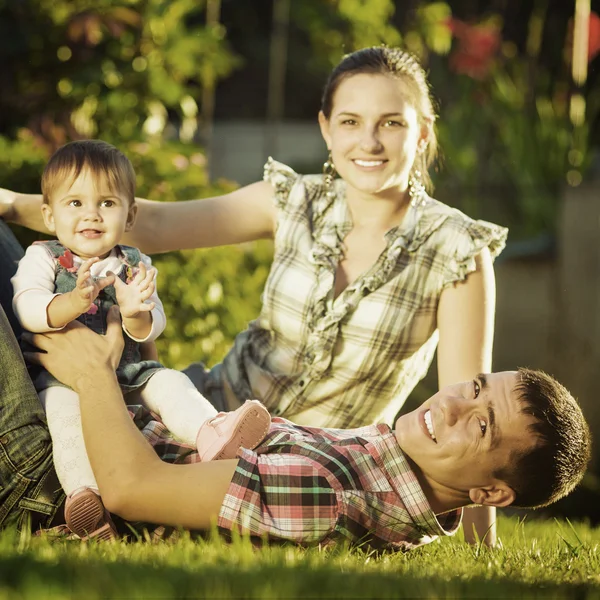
(88, 288)
(76, 353)
(7, 200)
(132, 296)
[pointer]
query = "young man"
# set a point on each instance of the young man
(506, 438)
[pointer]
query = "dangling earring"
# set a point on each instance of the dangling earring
(416, 189)
(328, 175)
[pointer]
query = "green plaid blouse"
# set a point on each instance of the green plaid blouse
(352, 360)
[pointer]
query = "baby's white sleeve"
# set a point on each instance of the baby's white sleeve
(159, 320)
(33, 286)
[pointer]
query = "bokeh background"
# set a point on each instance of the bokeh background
(198, 93)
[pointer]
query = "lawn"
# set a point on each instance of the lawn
(537, 559)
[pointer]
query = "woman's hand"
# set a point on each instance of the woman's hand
(132, 296)
(76, 354)
(7, 200)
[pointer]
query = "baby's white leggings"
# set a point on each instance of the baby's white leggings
(168, 393)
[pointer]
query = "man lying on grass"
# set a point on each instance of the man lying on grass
(506, 438)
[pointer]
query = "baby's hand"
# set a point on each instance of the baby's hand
(131, 297)
(88, 288)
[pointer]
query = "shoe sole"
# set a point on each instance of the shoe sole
(245, 435)
(86, 517)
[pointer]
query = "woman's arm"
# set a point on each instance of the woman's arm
(466, 325)
(133, 481)
(241, 216)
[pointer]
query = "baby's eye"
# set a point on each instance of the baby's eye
(483, 427)
(476, 388)
(75, 203)
(108, 203)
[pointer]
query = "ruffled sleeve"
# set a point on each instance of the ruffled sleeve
(282, 178)
(474, 237)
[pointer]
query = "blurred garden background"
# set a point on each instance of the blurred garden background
(198, 93)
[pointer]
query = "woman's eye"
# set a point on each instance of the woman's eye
(482, 426)
(392, 123)
(476, 388)
(348, 122)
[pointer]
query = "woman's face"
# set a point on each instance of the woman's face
(373, 133)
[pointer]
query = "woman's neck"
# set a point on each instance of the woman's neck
(377, 211)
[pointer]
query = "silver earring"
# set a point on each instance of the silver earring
(328, 175)
(416, 189)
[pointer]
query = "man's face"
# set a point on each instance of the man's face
(466, 432)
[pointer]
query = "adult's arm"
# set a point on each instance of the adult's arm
(241, 216)
(133, 481)
(466, 325)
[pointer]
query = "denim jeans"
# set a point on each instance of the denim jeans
(30, 494)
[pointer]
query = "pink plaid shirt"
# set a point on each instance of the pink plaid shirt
(312, 485)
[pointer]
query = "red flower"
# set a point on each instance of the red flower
(593, 38)
(477, 47)
(66, 261)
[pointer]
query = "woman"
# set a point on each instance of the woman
(368, 270)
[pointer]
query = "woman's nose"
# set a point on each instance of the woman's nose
(370, 141)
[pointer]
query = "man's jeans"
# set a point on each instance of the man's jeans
(30, 493)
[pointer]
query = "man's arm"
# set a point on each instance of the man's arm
(466, 324)
(133, 481)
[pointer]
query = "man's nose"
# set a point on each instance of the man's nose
(453, 407)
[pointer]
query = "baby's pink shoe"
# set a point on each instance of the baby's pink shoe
(86, 516)
(222, 436)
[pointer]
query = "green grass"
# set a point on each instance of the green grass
(537, 559)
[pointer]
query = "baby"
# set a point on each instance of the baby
(89, 203)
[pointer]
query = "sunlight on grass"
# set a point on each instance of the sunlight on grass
(537, 559)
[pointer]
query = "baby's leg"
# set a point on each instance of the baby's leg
(181, 406)
(191, 417)
(68, 448)
(84, 512)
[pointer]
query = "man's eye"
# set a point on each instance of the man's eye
(476, 388)
(482, 426)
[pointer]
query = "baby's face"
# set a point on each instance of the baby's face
(87, 216)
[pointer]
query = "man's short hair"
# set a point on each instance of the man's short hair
(552, 467)
(101, 158)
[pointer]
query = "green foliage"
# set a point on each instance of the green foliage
(337, 27)
(209, 297)
(536, 560)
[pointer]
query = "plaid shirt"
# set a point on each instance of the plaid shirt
(311, 485)
(347, 361)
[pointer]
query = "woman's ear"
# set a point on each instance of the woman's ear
(48, 217)
(499, 494)
(324, 125)
(131, 216)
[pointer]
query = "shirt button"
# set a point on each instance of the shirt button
(301, 383)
